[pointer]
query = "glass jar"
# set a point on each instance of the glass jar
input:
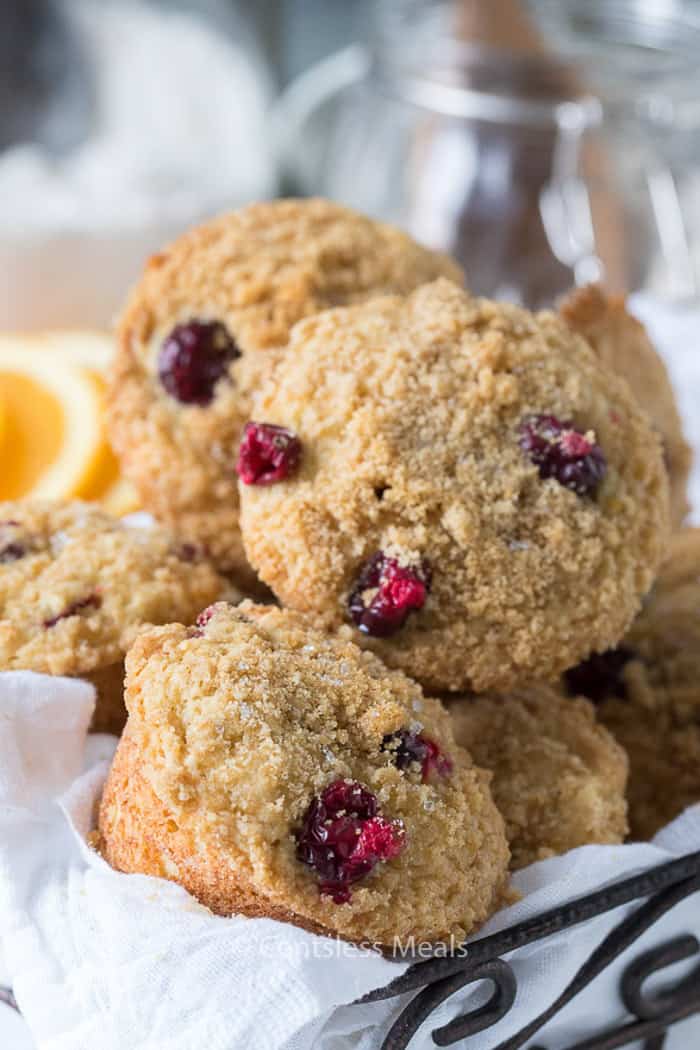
(642, 60)
(514, 162)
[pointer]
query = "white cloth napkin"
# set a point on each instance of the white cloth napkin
(103, 960)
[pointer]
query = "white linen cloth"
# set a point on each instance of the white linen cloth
(101, 959)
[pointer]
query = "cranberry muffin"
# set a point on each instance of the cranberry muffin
(559, 777)
(647, 692)
(460, 481)
(623, 345)
(76, 584)
(197, 335)
(276, 771)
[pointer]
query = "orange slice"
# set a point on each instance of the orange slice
(3, 425)
(54, 443)
(52, 435)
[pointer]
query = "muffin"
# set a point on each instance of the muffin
(460, 481)
(273, 770)
(198, 333)
(559, 777)
(647, 692)
(623, 345)
(76, 584)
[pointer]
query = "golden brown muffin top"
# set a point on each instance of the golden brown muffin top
(413, 416)
(623, 345)
(243, 279)
(76, 584)
(242, 722)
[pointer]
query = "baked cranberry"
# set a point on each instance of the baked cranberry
(10, 548)
(386, 592)
(11, 552)
(205, 616)
(188, 552)
(348, 796)
(92, 601)
(408, 748)
(193, 358)
(600, 676)
(343, 837)
(268, 453)
(562, 453)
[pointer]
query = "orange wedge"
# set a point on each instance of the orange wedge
(52, 436)
(3, 425)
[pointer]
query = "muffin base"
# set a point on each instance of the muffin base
(137, 835)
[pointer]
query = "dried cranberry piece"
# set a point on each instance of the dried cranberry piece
(347, 796)
(205, 616)
(11, 552)
(92, 601)
(600, 676)
(563, 453)
(343, 837)
(10, 549)
(386, 592)
(407, 748)
(267, 454)
(193, 358)
(188, 552)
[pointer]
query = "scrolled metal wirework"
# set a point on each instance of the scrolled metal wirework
(650, 1006)
(496, 971)
(439, 978)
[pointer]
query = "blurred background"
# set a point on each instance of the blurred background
(543, 142)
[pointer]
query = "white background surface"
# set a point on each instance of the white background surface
(676, 335)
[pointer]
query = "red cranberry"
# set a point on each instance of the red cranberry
(92, 601)
(407, 748)
(193, 358)
(10, 549)
(562, 453)
(205, 616)
(11, 552)
(188, 552)
(348, 796)
(385, 593)
(600, 676)
(343, 837)
(268, 453)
